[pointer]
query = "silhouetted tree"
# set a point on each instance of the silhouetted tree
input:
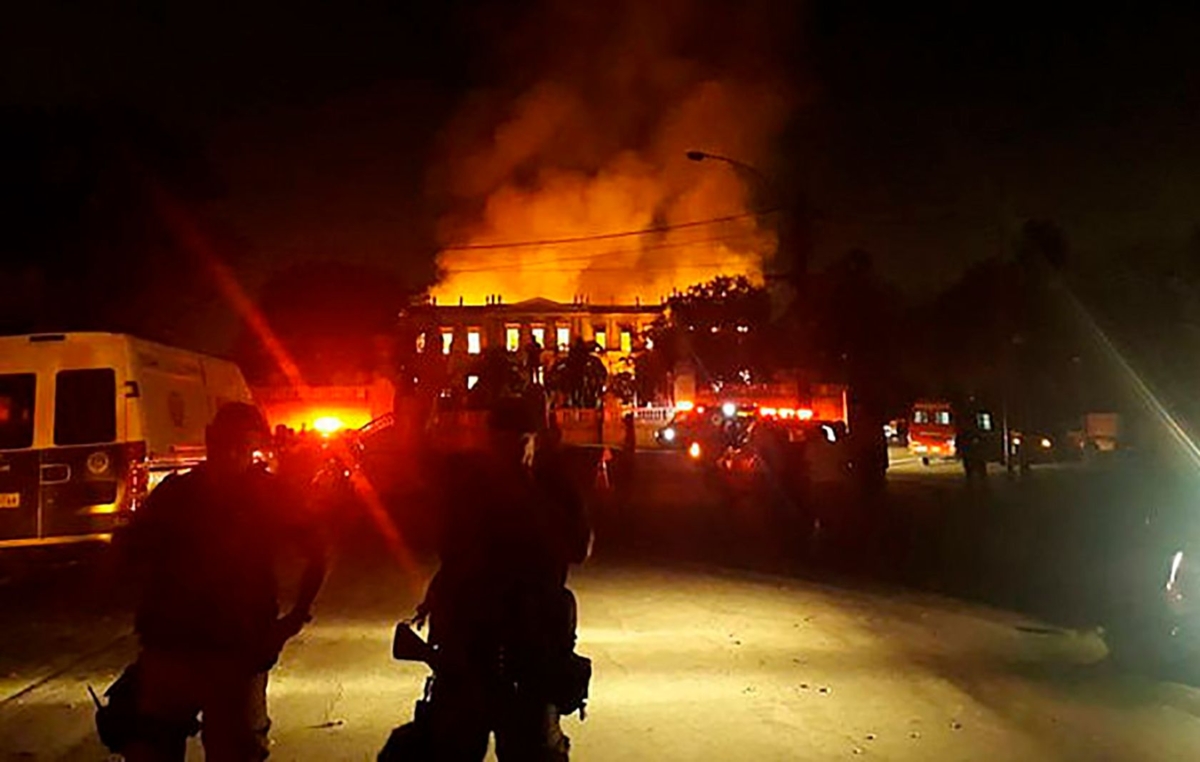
(624, 386)
(579, 378)
(499, 376)
(652, 373)
(722, 326)
(1146, 301)
(1007, 332)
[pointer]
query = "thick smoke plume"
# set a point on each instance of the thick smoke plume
(594, 142)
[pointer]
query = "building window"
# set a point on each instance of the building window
(447, 340)
(563, 336)
(512, 338)
(601, 338)
(539, 335)
(626, 340)
(420, 342)
(471, 381)
(474, 342)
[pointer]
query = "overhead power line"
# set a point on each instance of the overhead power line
(644, 268)
(608, 236)
(555, 261)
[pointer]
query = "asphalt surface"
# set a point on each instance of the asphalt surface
(712, 637)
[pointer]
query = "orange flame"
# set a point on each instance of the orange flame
(703, 218)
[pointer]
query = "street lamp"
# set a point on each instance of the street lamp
(760, 177)
(767, 188)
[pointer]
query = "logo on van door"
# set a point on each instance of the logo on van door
(176, 409)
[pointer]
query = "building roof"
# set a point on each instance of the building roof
(537, 306)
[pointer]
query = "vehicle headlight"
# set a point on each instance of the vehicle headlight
(668, 434)
(1176, 564)
(1174, 587)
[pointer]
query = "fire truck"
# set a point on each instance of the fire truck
(931, 431)
(937, 425)
(727, 429)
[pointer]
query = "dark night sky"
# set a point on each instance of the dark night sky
(924, 135)
(962, 125)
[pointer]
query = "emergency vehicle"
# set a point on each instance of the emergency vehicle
(768, 437)
(91, 422)
(931, 431)
(936, 426)
(722, 420)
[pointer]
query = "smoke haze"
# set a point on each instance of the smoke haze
(586, 136)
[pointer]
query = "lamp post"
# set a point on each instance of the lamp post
(768, 189)
(765, 183)
(775, 199)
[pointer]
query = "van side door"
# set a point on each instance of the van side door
(18, 460)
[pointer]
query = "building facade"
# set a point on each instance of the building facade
(462, 333)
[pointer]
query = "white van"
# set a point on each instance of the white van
(91, 422)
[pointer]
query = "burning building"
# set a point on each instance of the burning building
(460, 334)
(576, 180)
(571, 175)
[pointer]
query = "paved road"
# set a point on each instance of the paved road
(694, 663)
(691, 661)
(903, 466)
